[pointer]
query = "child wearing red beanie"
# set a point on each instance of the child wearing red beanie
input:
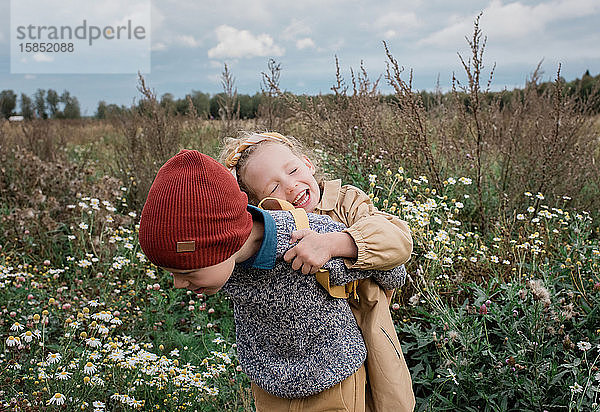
(301, 348)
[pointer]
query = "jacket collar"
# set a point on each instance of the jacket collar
(329, 195)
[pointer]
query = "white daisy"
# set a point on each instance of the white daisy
(95, 356)
(576, 388)
(27, 336)
(16, 327)
(57, 399)
(93, 342)
(584, 346)
(54, 358)
(13, 341)
(63, 375)
(89, 368)
(116, 355)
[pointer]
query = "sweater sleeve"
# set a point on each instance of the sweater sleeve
(339, 274)
(286, 225)
(383, 240)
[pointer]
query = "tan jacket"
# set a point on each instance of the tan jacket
(383, 242)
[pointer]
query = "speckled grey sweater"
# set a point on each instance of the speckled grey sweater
(294, 340)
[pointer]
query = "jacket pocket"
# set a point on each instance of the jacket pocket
(391, 341)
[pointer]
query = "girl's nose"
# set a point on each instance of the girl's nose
(290, 186)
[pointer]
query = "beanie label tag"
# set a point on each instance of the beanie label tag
(187, 246)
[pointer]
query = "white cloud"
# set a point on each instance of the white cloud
(188, 41)
(182, 40)
(241, 43)
(338, 44)
(160, 46)
(390, 34)
(305, 43)
(295, 29)
(512, 20)
(397, 21)
(392, 24)
(30, 77)
(43, 58)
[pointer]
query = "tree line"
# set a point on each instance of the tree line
(45, 104)
(248, 105)
(204, 105)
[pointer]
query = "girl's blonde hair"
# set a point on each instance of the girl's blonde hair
(237, 151)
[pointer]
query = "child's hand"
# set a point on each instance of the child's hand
(311, 252)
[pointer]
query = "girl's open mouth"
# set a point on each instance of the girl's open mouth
(302, 199)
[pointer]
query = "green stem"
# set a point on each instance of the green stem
(487, 340)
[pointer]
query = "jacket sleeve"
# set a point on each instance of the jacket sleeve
(383, 240)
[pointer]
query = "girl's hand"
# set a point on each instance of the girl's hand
(311, 252)
(315, 249)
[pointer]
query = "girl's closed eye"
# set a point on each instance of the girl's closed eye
(294, 170)
(274, 189)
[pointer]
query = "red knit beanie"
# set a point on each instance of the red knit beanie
(195, 214)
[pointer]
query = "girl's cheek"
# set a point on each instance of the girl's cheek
(277, 193)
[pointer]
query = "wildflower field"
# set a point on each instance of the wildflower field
(501, 310)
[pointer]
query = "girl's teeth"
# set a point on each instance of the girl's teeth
(302, 198)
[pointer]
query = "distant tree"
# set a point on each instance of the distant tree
(105, 111)
(201, 102)
(182, 106)
(214, 105)
(27, 109)
(113, 109)
(71, 108)
(101, 110)
(52, 99)
(8, 102)
(40, 103)
(586, 91)
(167, 101)
(248, 105)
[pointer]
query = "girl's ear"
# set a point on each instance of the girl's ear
(308, 164)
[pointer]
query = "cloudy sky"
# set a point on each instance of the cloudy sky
(191, 40)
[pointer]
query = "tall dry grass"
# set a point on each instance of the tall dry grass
(271, 111)
(538, 139)
(38, 180)
(149, 134)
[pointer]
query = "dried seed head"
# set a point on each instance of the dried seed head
(540, 293)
